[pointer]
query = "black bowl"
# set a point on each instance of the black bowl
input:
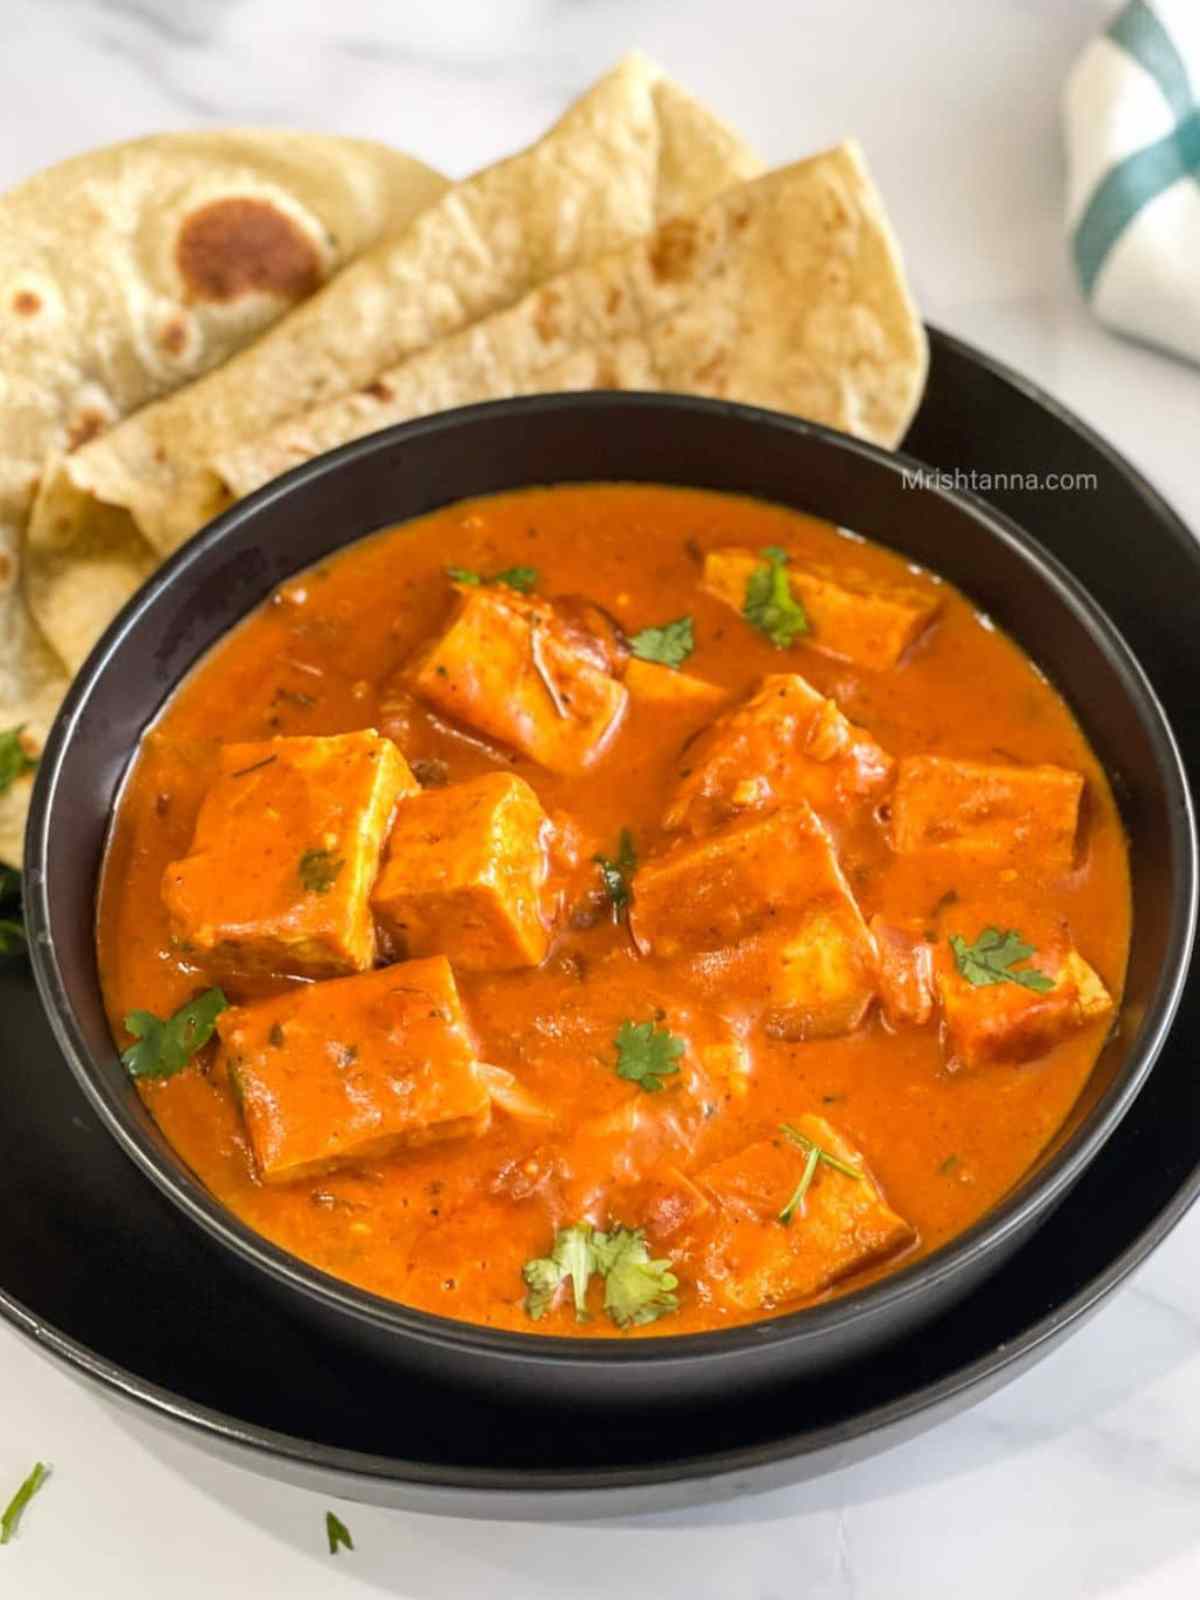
(406, 471)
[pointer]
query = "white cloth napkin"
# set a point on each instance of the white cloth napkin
(1132, 114)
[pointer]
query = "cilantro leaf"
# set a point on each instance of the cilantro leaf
(14, 758)
(319, 870)
(337, 1533)
(164, 1048)
(13, 941)
(522, 579)
(617, 873)
(769, 604)
(991, 959)
(11, 1518)
(646, 1054)
(802, 1188)
(670, 645)
(572, 1256)
(803, 1142)
(636, 1289)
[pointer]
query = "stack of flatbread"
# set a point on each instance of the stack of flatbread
(185, 317)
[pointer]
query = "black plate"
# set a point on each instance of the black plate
(108, 1276)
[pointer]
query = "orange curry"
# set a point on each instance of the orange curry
(613, 907)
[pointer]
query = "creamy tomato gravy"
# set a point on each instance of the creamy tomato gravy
(448, 1227)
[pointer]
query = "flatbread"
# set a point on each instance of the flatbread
(131, 270)
(787, 292)
(633, 150)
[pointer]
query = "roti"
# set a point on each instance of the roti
(785, 292)
(128, 271)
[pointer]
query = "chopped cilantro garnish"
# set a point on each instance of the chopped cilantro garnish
(670, 645)
(11, 1519)
(637, 1290)
(165, 1048)
(617, 873)
(522, 579)
(992, 957)
(572, 1256)
(769, 604)
(646, 1054)
(14, 758)
(802, 1188)
(337, 1533)
(803, 1141)
(319, 870)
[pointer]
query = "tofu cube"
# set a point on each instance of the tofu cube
(1023, 816)
(667, 689)
(354, 1070)
(1006, 1021)
(755, 874)
(286, 848)
(508, 668)
(854, 617)
(904, 974)
(464, 875)
(821, 978)
(758, 1263)
(786, 743)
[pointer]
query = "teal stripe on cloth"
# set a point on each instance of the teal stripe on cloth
(1129, 186)
(1139, 31)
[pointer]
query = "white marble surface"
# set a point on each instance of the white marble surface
(1080, 1479)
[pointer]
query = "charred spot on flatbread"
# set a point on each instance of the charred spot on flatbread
(244, 245)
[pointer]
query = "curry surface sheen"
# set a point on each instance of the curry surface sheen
(447, 1228)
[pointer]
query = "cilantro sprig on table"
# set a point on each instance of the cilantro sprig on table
(993, 957)
(669, 644)
(522, 579)
(637, 1289)
(10, 1519)
(164, 1047)
(647, 1054)
(769, 604)
(337, 1533)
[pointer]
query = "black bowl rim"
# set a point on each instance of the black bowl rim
(1032, 1195)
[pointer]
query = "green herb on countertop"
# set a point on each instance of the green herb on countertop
(10, 1520)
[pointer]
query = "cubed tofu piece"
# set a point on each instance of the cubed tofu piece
(715, 891)
(786, 743)
(284, 857)
(754, 1261)
(905, 974)
(853, 616)
(667, 689)
(670, 1206)
(464, 875)
(354, 1070)
(1023, 816)
(1005, 1020)
(509, 669)
(820, 978)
